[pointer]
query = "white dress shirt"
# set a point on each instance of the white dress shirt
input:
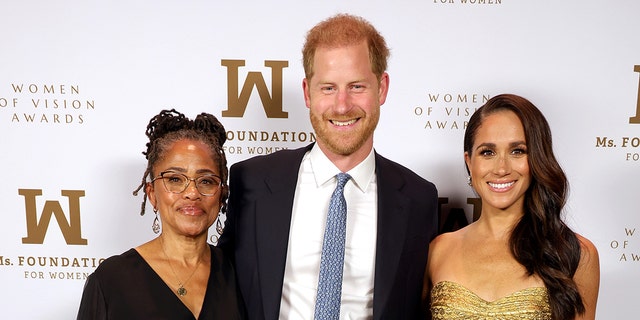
(316, 182)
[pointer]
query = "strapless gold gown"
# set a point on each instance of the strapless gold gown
(452, 301)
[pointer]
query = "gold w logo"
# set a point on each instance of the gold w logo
(237, 100)
(636, 118)
(36, 230)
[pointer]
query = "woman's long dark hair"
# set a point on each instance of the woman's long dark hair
(540, 241)
(170, 126)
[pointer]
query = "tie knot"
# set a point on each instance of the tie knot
(342, 179)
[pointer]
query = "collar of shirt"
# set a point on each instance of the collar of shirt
(324, 170)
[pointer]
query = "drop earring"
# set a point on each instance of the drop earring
(469, 180)
(219, 228)
(156, 224)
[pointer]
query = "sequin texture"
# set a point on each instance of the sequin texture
(452, 301)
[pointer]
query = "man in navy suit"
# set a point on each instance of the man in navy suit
(278, 203)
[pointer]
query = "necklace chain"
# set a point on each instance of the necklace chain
(181, 291)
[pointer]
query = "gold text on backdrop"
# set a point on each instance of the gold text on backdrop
(36, 230)
(636, 119)
(237, 100)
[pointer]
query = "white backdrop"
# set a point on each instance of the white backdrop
(79, 81)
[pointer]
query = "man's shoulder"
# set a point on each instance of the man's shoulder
(273, 160)
(388, 167)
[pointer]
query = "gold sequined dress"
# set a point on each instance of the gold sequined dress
(452, 301)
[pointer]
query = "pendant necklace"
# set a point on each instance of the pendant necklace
(181, 291)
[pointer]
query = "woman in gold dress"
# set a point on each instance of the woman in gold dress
(519, 260)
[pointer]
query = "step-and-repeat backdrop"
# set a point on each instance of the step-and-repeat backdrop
(79, 81)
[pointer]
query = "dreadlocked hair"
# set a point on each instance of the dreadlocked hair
(170, 126)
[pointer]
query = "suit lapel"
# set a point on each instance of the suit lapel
(393, 217)
(273, 221)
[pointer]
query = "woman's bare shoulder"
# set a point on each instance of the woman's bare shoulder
(588, 251)
(587, 276)
(446, 241)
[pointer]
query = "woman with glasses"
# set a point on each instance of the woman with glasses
(177, 275)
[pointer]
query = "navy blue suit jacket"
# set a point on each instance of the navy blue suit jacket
(259, 216)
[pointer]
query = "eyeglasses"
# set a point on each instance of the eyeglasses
(175, 182)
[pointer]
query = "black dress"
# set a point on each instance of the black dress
(126, 287)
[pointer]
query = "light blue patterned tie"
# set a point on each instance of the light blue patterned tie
(332, 261)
